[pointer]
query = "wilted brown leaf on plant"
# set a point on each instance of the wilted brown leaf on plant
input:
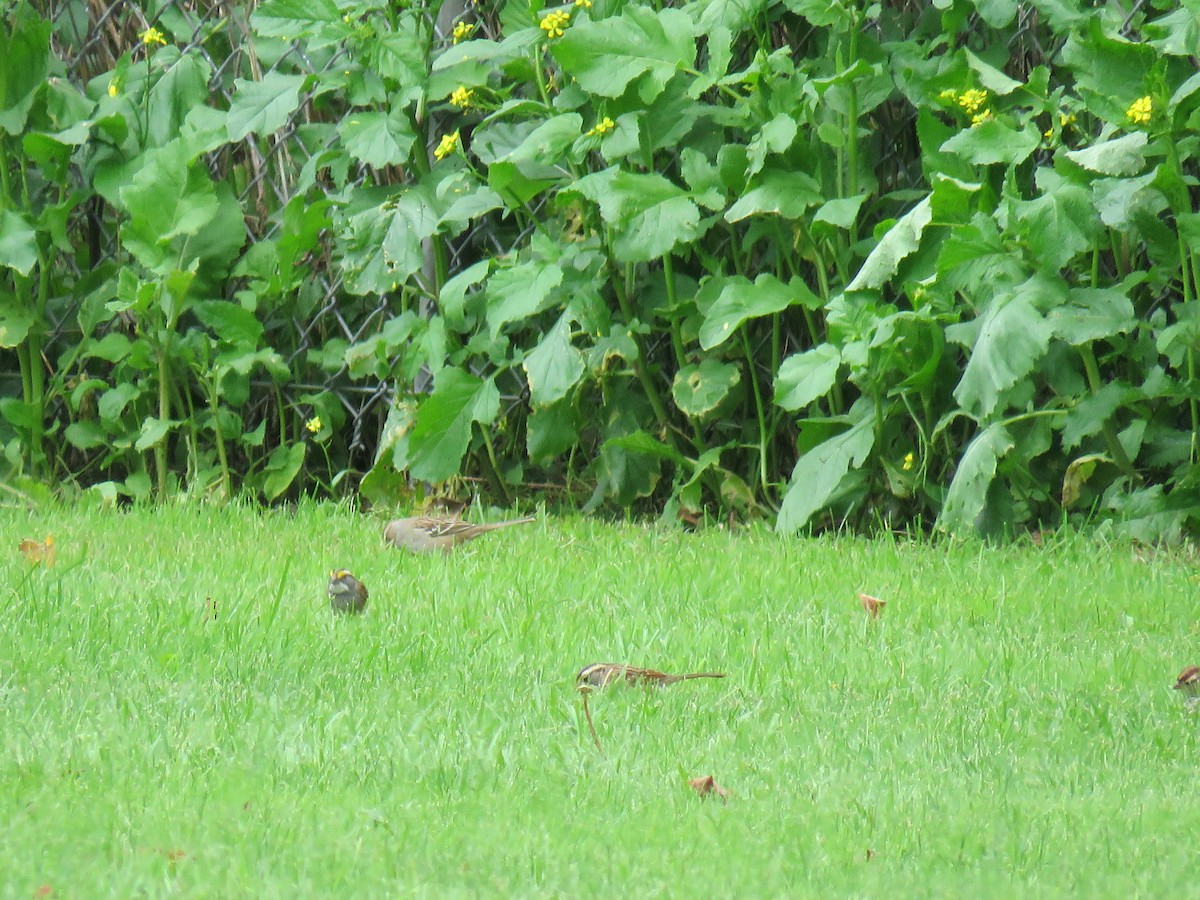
(38, 551)
(707, 785)
(873, 605)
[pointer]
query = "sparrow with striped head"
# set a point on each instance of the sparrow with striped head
(1188, 683)
(425, 534)
(599, 675)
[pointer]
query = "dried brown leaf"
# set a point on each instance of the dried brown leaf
(707, 785)
(38, 551)
(873, 605)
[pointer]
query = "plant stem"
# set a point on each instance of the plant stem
(164, 411)
(1120, 457)
(758, 407)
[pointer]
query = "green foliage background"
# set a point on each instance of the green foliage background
(826, 262)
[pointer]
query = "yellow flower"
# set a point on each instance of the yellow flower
(555, 23)
(447, 146)
(461, 97)
(908, 462)
(587, 4)
(313, 425)
(113, 88)
(153, 36)
(949, 94)
(462, 31)
(971, 100)
(604, 126)
(1065, 119)
(980, 118)
(1139, 111)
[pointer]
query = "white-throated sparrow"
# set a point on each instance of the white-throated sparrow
(424, 534)
(603, 674)
(346, 593)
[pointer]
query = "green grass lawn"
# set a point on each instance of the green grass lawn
(1006, 728)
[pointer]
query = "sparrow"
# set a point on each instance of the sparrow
(1189, 682)
(424, 534)
(346, 593)
(603, 674)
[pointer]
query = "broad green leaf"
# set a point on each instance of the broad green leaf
(625, 475)
(548, 143)
(803, 377)
(647, 445)
(994, 141)
(113, 401)
(551, 431)
(773, 138)
(262, 107)
(282, 468)
(840, 213)
(967, 496)
(1013, 336)
(901, 239)
(1060, 224)
(1088, 416)
(175, 98)
(24, 63)
(15, 321)
(377, 138)
(304, 11)
(453, 297)
(606, 55)
(740, 300)
(997, 13)
(1119, 200)
(166, 199)
(232, 322)
(1107, 66)
(381, 246)
(86, 435)
(442, 431)
(153, 431)
(1092, 314)
(1119, 156)
(786, 194)
(819, 12)
(819, 472)
(518, 292)
(554, 366)
(652, 216)
(18, 244)
(698, 389)
(989, 76)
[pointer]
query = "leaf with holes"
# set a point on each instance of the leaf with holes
(698, 389)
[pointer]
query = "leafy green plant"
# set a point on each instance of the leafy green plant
(830, 263)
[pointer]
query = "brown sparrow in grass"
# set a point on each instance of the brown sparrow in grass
(424, 534)
(1189, 682)
(603, 674)
(346, 593)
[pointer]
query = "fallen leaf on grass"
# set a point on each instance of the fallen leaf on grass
(44, 891)
(38, 551)
(172, 855)
(873, 605)
(870, 854)
(707, 785)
